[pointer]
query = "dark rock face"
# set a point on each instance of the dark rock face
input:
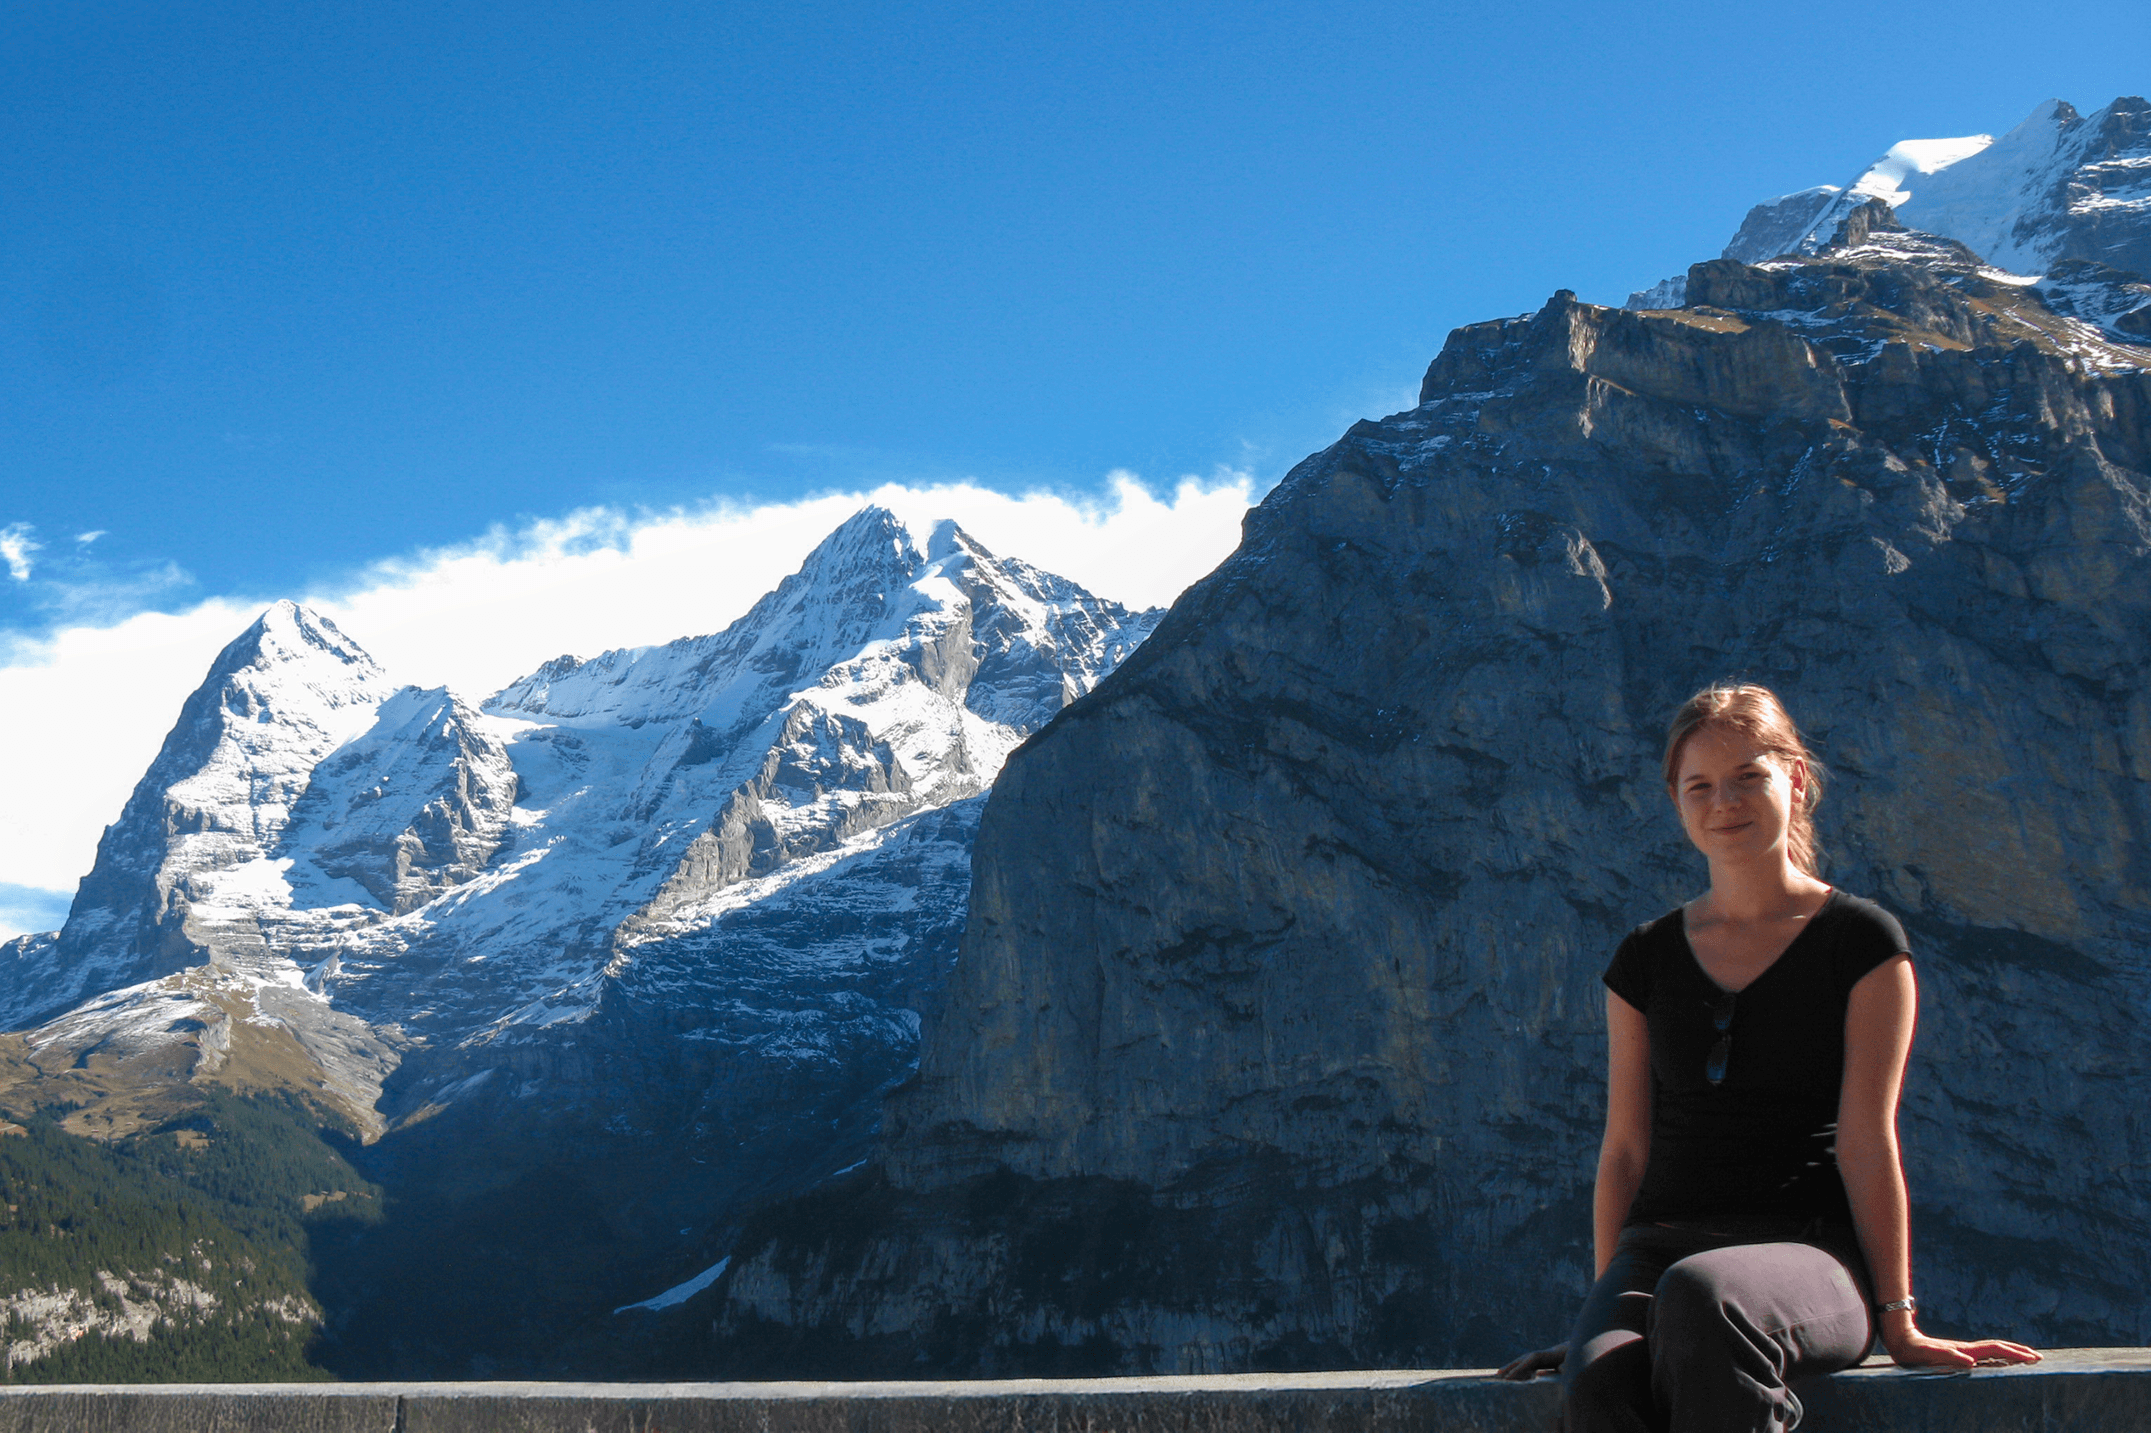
(597, 1163)
(1776, 226)
(2103, 197)
(1276, 1036)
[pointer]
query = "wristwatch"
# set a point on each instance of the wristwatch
(1894, 1305)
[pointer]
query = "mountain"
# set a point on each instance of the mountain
(180, 940)
(1276, 1038)
(659, 925)
(2064, 196)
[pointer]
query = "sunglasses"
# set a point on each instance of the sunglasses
(1721, 1020)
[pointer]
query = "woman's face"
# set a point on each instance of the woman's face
(1736, 800)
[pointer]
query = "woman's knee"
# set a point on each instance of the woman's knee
(1754, 1292)
(1608, 1388)
(1696, 1299)
(1695, 1281)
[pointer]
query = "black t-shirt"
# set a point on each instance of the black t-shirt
(1764, 1139)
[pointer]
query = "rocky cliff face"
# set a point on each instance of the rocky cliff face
(1276, 1036)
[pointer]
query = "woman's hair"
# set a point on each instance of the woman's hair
(1757, 714)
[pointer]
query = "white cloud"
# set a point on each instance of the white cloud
(86, 538)
(28, 908)
(84, 709)
(16, 545)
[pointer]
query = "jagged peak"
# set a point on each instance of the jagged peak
(872, 546)
(872, 529)
(288, 632)
(868, 582)
(873, 543)
(948, 539)
(555, 669)
(2058, 112)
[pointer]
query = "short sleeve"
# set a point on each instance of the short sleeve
(1629, 976)
(1866, 936)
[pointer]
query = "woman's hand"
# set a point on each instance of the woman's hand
(1913, 1349)
(1538, 1361)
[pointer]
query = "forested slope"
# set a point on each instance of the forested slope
(179, 1253)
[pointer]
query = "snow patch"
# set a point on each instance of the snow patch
(681, 1293)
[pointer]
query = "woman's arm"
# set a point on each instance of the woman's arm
(1878, 1040)
(1627, 1144)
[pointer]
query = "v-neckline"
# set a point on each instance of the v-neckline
(1776, 961)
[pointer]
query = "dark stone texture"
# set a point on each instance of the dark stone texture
(1280, 976)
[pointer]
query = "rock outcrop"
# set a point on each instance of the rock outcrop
(1276, 1036)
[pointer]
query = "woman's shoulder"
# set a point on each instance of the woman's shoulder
(1645, 955)
(1859, 920)
(1656, 940)
(1859, 936)
(1666, 929)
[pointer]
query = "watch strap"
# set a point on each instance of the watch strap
(1894, 1305)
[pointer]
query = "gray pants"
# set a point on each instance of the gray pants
(1704, 1330)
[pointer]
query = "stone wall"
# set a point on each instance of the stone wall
(2074, 1391)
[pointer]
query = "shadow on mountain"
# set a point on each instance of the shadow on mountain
(511, 1231)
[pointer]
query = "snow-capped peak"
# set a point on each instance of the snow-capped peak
(188, 853)
(1886, 178)
(840, 597)
(873, 542)
(289, 631)
(375, 870)
(2063, 196)
(878, 680)
(2058, 186)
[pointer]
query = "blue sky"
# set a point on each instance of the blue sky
(285, 289)
(288, 292)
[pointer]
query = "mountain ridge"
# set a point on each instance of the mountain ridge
(682, 903)
(2063, 196)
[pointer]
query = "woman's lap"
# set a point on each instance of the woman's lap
(1698, 1330)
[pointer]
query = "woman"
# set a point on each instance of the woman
(1750, 1219)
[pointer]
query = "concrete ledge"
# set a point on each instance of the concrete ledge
(2074, 1391)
